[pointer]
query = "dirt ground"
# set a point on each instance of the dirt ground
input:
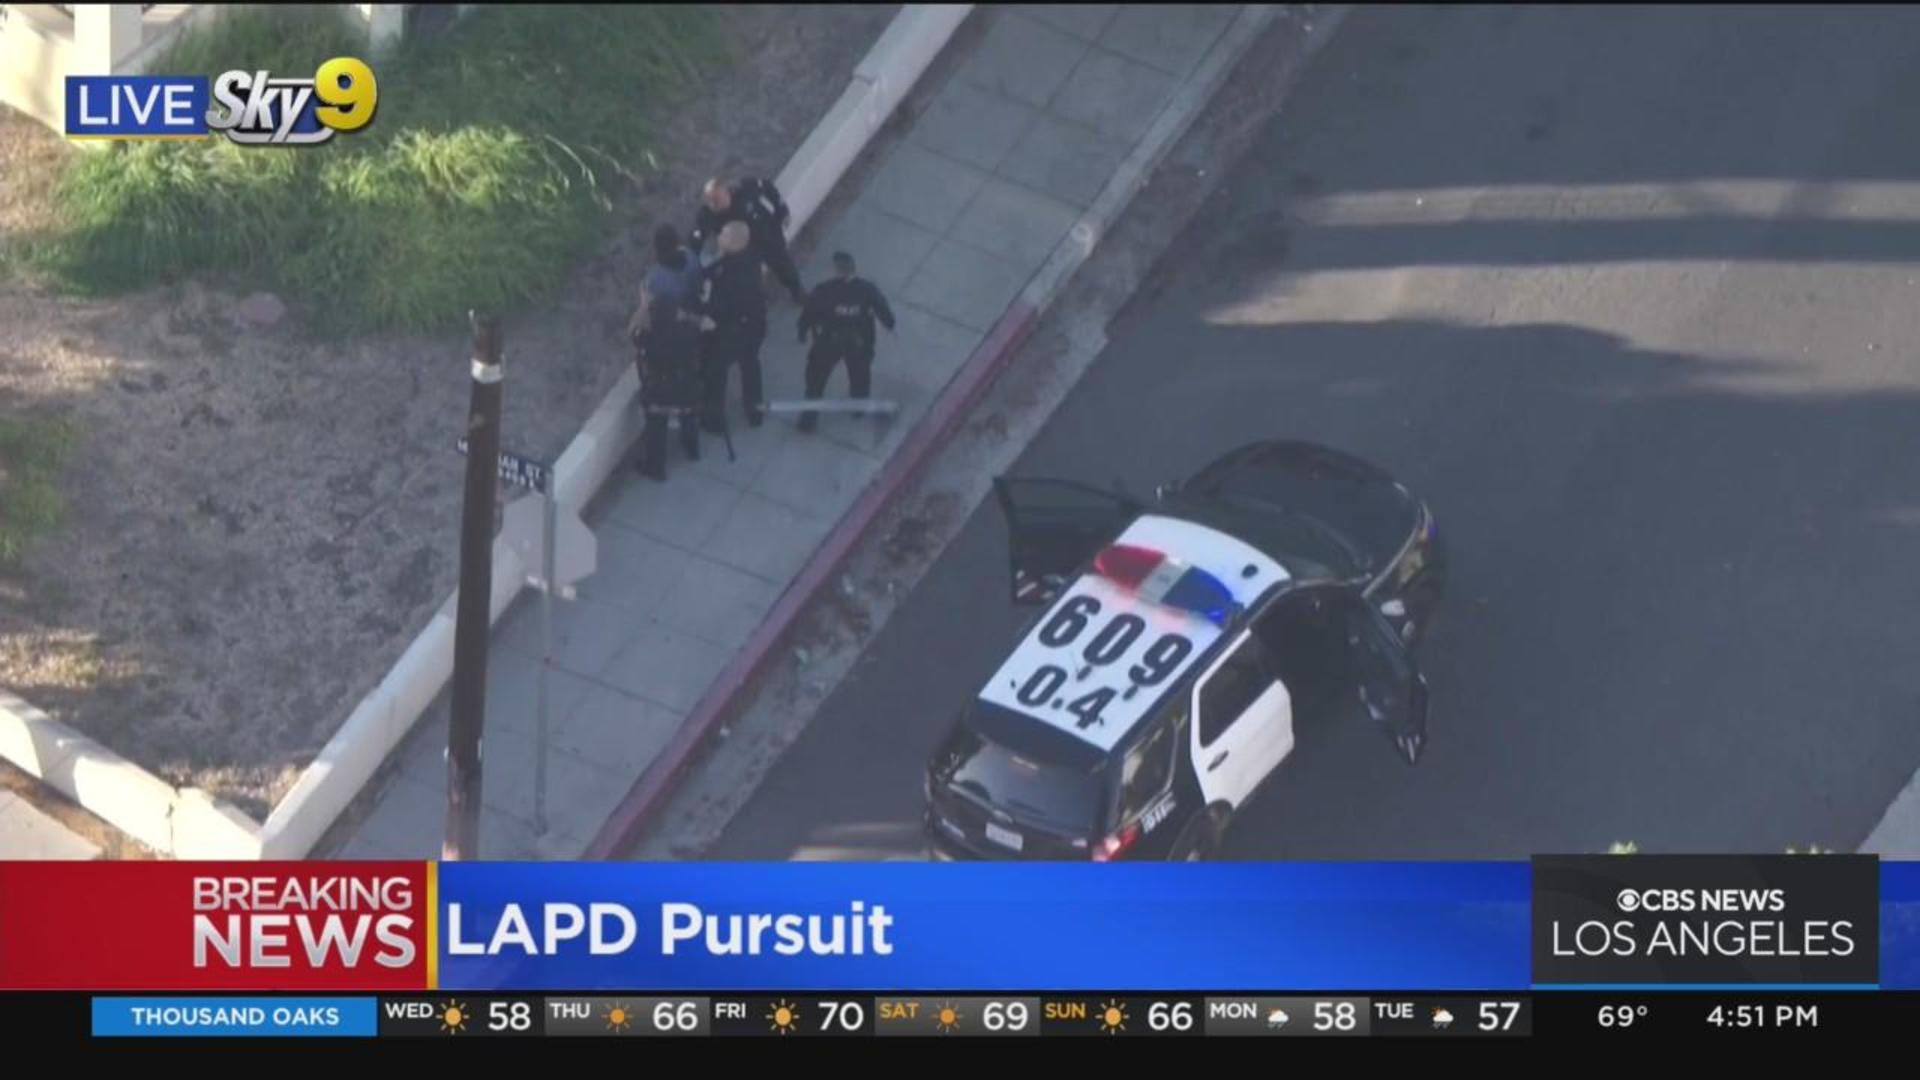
(259, 522)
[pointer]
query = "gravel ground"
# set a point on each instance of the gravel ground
(261, 521)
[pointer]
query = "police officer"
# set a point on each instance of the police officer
(733, 302)
(667, 354)
(839, 317)
(758, 203)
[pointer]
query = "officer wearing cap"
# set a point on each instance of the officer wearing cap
(838, 318)
(758, 203)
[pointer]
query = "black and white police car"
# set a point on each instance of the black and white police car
(1184, 646)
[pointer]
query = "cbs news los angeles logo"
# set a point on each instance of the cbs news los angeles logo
(251, 108)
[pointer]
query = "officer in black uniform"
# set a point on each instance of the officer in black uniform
(839, 318)
(758, 203)
(733, 302)
(667, 354)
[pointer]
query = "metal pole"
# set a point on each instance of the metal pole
(546, 661)
(472, 620)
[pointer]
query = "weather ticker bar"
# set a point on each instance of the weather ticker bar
(1612, 1014)
(836, 1015)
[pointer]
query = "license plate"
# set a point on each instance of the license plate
(1005, 837)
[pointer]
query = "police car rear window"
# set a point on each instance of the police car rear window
(1066, 797)
(1318, 547)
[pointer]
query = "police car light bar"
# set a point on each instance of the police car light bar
(1159, 578)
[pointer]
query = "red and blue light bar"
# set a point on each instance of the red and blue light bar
(1159, 578)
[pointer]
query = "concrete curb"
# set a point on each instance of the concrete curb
(184, 822)
(942, 418)
(191, 824)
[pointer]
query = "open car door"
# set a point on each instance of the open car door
(1391, 686)
(1053, 528)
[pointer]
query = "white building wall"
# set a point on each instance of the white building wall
(36, 55)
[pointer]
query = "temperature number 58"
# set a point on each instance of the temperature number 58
(1334, 1016)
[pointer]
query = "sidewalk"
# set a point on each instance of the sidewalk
(951, 223)
(26, 833)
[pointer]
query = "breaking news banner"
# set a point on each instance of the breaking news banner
(1706, 920)
(326, 926)
(207, 926)
(359, 950)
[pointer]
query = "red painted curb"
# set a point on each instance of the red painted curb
(722, 698)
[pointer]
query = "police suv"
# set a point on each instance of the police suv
(1184, 646)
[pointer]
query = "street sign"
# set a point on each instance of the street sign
(518, 469)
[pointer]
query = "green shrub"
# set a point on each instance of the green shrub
(437, 224)
(151, 212)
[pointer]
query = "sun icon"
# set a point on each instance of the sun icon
(453, 1017)
(1113, 1017)
(947, 1018)
(617, 1017)
(784, 1015)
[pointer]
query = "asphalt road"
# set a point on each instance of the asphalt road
(1632, 297)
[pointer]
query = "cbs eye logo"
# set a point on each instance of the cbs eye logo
(255, 109)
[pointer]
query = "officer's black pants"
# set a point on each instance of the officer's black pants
(724, 348)
(823, 358)
(772, 250)
(655, 441)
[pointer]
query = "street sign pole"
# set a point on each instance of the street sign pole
(471, 616)
(547, 585)
(518, 527)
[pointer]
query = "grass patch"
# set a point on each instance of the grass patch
(31, 453)
(487, 172)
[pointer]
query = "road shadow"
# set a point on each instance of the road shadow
(1451, 97)
(1679, 610)
(1681, 589)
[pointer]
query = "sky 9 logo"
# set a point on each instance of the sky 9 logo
(255, 109)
